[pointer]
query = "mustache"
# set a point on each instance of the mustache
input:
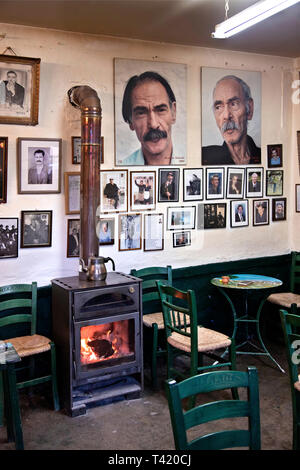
(154, 134)
(229, 126)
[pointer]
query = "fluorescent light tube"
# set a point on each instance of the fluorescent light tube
(250, 16)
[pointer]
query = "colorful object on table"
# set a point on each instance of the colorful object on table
(225, 279)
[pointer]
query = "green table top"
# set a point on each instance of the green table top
(247, 281)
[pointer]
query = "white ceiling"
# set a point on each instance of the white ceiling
(187, 22)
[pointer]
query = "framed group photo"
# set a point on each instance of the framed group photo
(278, 209)
(193, 184)
(39, 166)
(106, 231)
(181, 239)
(73, 237)
(113, 191)
(274, 183)
(274, 155)
(36, 229)
(235, 183)
(260, 212)
(130, 232)
(19, 90)
(142, 194)
(72, 192)
(153, 232)
(3, 169)
(168, 184)
(180, 218)
(211, 216)
(215, 183)
(76, 150)
(239, 214)
(254, 182)
(9, 231)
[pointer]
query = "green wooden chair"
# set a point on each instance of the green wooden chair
(286, 299)
(185, 336)
(182, 421)
(18, 305)
(153, 317)
(291, 331)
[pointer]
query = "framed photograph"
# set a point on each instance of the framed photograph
(19, 90)
(214, 183)
(153, 232)
(254, 182)
(297, 187)
(130, 232)
(193, 184)
(274, 183)
(279, 209)
(113, 191)
(3, 169)
(168, 185)
(239, 214)
(261, 212)
(106, 231)
(211, 216)
(76, 150)
(72, 192)
(9, 231)
(39, 166)
(142, 194)
(223, 143)
(235, 183)
(274, 155)
(168, 81)
(36, 229)
(73, 234)
(181, 217)
(181, 239)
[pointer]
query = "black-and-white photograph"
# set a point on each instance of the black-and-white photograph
(3, 169)
(261, 212)
(72, 192)
(211, 216)
(180, 218)
(254, 182)
(193, 184)
(168, 185)
(9, 237)
(73, 234)
(181, 239)
(239, 216)
(36, 229)
(113, 187)
(214, 183)
(130, 232)
(235, 183)
(144, 87)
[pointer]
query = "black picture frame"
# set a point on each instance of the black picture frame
(212, 191)
(106, 231)
(279, 206)
(3, 169)
(39, 234)
(193, 184)
(212, 216)
(235, 187)
(257, 191)
(274, 183)
(168, 191)
(261, 212)
(73, 239)
(275, 156)
(234, 216)
(181, 239)
(9, 234)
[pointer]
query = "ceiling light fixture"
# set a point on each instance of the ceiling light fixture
(250, 16)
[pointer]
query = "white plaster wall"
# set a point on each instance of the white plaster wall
(69, 59)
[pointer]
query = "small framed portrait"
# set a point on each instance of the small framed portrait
(211, 216)
(3, 169)
(130, 232)
(114, 190)
(274, 155)
(36, 229)
(214, 183)
(239, 214)
(106, 231)
(168, 184)
(297, 188)
(19, 90)
(9, 231)
(73, 234)
(181, 239)
(260, 212)
(235, 183)
(142, 194)
(181, 217)
(39, 166)
(72, 192)
(192, 184)
(153, 232)
(76, 150)
(254, 182)
(278, 209)
(274, 183)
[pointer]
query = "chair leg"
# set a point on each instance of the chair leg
(1, 399)
(13, 414)
(232, 355)
(54, 378)
(154, 355)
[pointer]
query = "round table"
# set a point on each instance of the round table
(245, 283)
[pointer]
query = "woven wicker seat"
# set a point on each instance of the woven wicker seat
(285, 299)
(289, 298)
(29, 345)
(208, 340)
(152, 318)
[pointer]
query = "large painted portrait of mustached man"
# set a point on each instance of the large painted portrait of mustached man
(231, 117)
(150, 113)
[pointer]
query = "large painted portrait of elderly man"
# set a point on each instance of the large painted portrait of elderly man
(150, 113)
(231, 117)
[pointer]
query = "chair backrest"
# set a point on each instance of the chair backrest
(151, 298)
(17, 297)
(291, 332)
(182, 420)
(295, 273)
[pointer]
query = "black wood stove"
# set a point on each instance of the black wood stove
(97, 329)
